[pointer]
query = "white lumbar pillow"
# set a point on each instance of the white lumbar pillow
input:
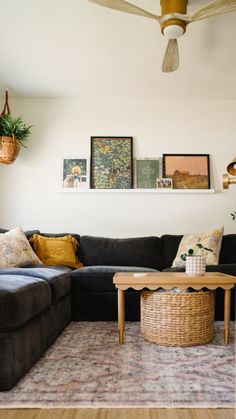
(15, 250)
(211, 239)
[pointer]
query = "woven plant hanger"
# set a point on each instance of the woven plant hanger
(9, 146)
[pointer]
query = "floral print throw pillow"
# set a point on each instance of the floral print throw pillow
(15, 250)
(211, 240)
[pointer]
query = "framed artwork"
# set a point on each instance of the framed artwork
(164, 183)
(75, 173)
(188, 171)
(146, 172)
(111, 163)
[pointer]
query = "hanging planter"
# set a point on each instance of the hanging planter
(13, 134)
(9, 149)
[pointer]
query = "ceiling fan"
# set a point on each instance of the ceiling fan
(173, 21)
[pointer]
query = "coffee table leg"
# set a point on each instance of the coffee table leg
(227, 316)
(121, 315)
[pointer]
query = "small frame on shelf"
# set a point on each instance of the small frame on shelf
(111, 163)
(75, 173)
(188, 171)
(164, 183)
(147, 170)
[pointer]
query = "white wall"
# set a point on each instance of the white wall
(29, 188)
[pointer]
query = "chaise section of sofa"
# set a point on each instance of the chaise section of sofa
(35, 306)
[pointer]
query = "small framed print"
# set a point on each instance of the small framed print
(146, 172)
(75, 173)
(188, 171)
(111, 163)
(164, 183)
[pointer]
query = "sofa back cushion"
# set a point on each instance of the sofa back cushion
(228, 249)
(138, 251)
(170, 245)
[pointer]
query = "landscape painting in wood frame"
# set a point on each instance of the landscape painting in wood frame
(75, 172)
(111, 163)
(188, 171)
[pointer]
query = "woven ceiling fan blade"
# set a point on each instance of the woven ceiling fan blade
(124, 6)
(171, 58)
(218, 7)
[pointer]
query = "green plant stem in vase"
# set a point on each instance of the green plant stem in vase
(190, 252)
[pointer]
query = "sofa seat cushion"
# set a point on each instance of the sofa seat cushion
(57, 278)
(138, 251)
(99, 278)
(21, 299)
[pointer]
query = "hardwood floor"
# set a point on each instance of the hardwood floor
(117, 413)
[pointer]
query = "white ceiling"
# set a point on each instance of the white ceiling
(64, 48)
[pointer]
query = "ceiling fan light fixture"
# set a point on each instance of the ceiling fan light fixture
(173, 22)
(173, 31)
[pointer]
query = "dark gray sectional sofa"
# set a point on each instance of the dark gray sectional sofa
(36, 303)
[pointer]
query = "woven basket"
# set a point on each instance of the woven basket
(9, 149)
(177, 319)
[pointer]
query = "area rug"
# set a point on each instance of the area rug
(86, 367)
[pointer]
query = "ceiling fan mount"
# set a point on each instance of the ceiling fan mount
(173, 28)
(173, 20)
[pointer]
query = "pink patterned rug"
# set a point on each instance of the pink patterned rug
(86, 367)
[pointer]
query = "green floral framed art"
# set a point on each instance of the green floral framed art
(111, 163)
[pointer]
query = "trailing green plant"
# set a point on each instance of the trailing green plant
(233, 215)
(14, 127)
(190, 252)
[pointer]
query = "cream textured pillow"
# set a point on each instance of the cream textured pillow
(15, 250)
(211, 239)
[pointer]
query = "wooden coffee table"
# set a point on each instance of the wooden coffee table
(169, 280)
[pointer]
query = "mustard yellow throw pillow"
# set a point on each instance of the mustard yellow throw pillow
(211, 239)
(56, 250)
(15, 250)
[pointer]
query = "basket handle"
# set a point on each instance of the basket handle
(6, 109)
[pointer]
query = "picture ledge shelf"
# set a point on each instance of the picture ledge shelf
(140, 191)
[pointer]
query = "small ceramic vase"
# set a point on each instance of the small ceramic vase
(195, 265)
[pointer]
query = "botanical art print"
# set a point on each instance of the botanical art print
(147, 172)
(188, 171)
(111, 163)
(75, 173)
